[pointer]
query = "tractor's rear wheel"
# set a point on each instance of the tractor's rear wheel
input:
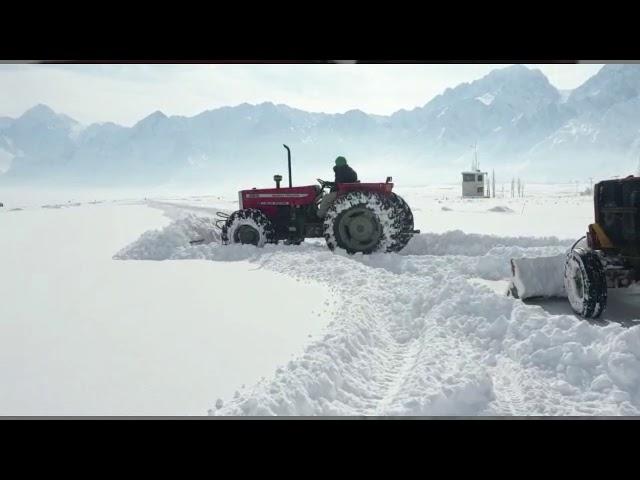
(585, 283)
(248, 227)
(358, 230)
(361, 222)
(403, 218)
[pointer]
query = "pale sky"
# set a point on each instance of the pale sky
(125, 94)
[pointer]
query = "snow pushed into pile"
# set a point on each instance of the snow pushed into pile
(501, 209)
(166, 243)
(471, 244)
(540, 277)
(415, 335)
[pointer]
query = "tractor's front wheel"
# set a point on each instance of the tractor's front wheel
(585, 283)
(248, 227)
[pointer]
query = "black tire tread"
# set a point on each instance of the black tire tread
(249, 213)
(331, 232)
(404, 217)
(596, 282)
(395, 235)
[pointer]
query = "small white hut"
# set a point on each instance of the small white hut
(475, 183)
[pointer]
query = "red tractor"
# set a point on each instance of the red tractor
(365, 217)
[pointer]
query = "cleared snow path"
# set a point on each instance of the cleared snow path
(419, 334)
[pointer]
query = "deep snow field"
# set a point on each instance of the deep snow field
(102, 314)
(83, 334)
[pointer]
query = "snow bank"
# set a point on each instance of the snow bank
(416, 335)
(502, 209)
(494, 265)
(459, 243)
(164, 244)
(433, 346)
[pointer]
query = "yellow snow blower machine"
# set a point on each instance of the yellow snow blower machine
(608, 256)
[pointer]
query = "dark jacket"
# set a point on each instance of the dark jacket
(345, 174)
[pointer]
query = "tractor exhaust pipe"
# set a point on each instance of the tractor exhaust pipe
(289, 163)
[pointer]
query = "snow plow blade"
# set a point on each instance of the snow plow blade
(538, 277)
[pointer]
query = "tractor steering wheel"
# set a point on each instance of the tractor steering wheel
(325, 184)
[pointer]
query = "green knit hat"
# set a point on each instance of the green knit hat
(341, 161)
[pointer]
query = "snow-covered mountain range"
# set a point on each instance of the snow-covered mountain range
(522, 125)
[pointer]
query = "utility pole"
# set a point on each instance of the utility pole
(493, 182)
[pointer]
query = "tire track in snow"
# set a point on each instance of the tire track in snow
(515, 387)
(399, 368)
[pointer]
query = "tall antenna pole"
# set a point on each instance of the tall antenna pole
(476, 156)
(473, 162)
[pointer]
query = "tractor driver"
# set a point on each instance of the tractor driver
(344, 174)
